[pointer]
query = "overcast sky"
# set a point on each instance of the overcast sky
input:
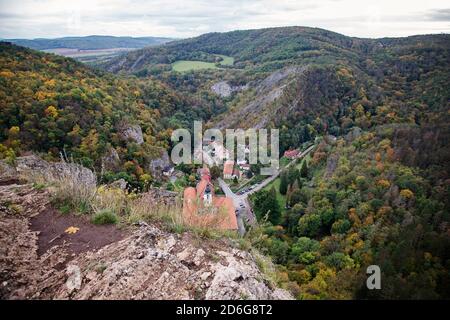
(187, 18)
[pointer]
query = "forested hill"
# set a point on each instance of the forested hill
(50, 104)
(268, 49)
(305, 81)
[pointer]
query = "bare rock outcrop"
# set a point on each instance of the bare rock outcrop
(161, 196)
(267, 92)
(146, 263)
(158, 164)
(55, 170)
(224, 89)
(111, 160)
(153, 264)
(332, 163)
(132, 133)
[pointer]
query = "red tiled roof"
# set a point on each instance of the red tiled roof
(228, 168)
(201, 186)
(290, 153)
(219, 215)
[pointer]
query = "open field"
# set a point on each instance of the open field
(191, 65)
(89, 56)
(227, 61)
(187, 65)
(76, 53)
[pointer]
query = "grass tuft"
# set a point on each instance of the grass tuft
(104, 217)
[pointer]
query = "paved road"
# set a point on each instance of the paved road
(277, 173)
(241, 203)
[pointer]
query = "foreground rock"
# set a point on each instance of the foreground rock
(35, 166)
(153, 264)
(147, 263)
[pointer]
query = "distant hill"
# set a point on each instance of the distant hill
(91, 49)
(90, 42)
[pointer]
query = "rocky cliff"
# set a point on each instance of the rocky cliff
(141, 261)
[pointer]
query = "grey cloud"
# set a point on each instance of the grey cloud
(439, 15)
(181, 18)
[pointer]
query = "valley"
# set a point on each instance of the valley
(90, 49)
(363, 178)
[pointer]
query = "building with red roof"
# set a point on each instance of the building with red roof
(228, 169)
(202, 208)
(291, 154)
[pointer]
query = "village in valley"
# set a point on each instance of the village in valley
(215, 194)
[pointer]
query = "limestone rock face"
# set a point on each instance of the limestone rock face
(7, 170)
(157, 165)
(153, 264)
(111, 160)
(240, 279)
(74, 278)
(118, 184)
(161, 196)
(132, 133)
(355, 133)
(35, 165)
(268, 90)
(224, 89)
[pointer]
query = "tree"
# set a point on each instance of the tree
(273, 206)
(296, 197)
(278, 250)
(51, 111)
(339, 261)
(146, 179)
(304, 170)
(292, 175)
(266, 203)
(215, 172)
(283, 183)
(340, 226)
(291, 217)
(305, 250)
(309, 225)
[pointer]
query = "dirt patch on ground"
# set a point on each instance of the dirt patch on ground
(9, 181)
(51, 226)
